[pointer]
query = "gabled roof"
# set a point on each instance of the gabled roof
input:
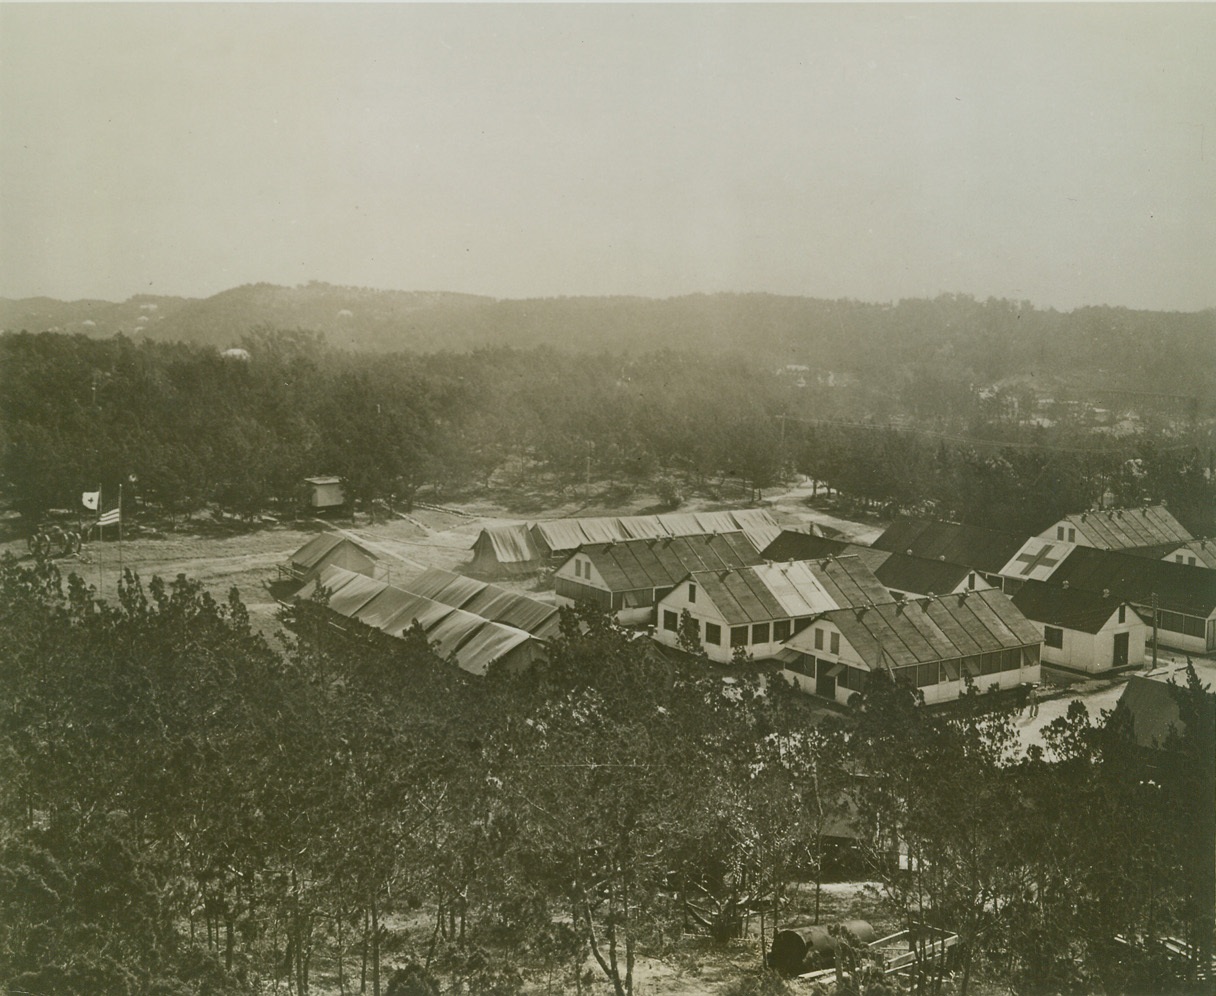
(660, 563)
(921, 575)
(984, 549)
(850, 581)
(898, 571)
(486, 600)
(1069, 608)
(791, 545)
(923, 630)
(506, 544)
(770, 591)
(320, 546)
(475, 641)
(1122, 528)
(566, 535)
(1203, 551)
(1178, 587)
(1037, 559)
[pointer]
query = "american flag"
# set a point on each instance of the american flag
(111, 515)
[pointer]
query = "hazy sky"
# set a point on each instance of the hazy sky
(1061, 154)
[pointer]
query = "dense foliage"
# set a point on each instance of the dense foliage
(193, 428)
(188, 810)
(953, 337)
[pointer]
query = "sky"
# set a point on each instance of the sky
(1064, 155)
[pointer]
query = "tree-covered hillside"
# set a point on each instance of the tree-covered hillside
(964, 340)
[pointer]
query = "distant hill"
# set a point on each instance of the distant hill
(953, 337)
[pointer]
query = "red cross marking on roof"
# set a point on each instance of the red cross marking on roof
(1039, 559)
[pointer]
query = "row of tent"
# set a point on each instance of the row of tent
(476, 623)
(524, 549)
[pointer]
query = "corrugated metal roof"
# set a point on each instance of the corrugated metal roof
(1122, 528)
(984, 549)
(920, 631)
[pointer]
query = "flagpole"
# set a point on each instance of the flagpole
(120, 534)
(101, 530)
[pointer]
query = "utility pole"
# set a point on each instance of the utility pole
(1154, 631)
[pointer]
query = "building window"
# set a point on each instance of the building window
(818, 639)
(1059, 532)
(926, 674)
(781, 630)
(835, 649)
(971, 580)
(1122, 613)
(670, 620)
(692, 594)
(738, 636)
(801, 624)
(1178, 558)
(1190, 561)
(1072, 535)
(1053, 637)
(713, 634)
(760, 633)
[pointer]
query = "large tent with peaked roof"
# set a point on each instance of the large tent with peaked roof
(471, 640)
(517, 549)
(325, 550)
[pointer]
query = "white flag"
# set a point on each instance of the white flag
(91, 499)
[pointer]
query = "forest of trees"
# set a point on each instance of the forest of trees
(963, 339)
(189, 810)
(189, 428)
